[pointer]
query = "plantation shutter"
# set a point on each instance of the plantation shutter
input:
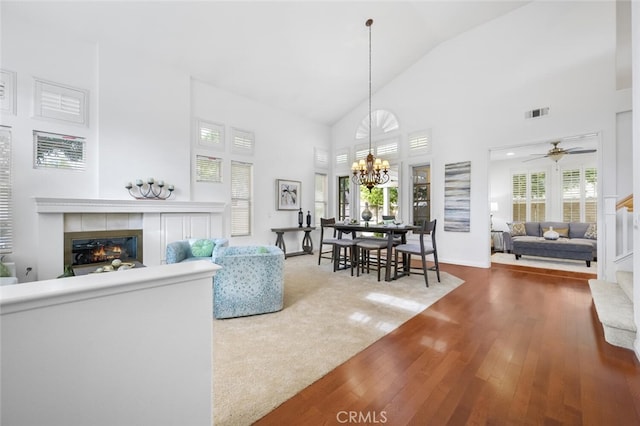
(538, 197)
(591, 195)
(571, 195)
(6, 202)
(243, 142)
(208, 169)
(519, 197)
(321, 157)
(211, 135)
(60, 102)
(241, 193)
(420, 143)
(53, 151)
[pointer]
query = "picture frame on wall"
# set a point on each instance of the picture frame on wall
(288, 193)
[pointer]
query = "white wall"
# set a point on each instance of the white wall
(140, 126)
(284, 149)
(473, 91)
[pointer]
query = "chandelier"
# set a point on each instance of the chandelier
(372, 171)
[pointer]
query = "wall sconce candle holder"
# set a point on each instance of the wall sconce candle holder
(151, 189)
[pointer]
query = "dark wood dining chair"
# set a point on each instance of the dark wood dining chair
(422, 249)
(327, 241)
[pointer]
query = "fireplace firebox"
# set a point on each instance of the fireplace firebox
(96, 247)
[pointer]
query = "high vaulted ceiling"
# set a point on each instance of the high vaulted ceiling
(308, 58)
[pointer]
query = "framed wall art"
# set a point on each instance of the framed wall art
(457, 196)
(288, 194)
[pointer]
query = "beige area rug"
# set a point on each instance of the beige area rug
(545, 262)
(263, 360)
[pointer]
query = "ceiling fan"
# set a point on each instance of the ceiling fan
(556, 153)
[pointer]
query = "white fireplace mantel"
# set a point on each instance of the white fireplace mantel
(51, 224)
(74, 205)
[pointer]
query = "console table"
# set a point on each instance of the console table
(307, 243)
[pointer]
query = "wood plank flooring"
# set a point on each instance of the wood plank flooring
(511, 345)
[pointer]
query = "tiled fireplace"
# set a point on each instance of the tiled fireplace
(58, 217)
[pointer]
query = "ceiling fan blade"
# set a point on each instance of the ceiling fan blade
(537, 157)
(581, 151)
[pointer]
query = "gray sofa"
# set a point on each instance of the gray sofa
(572, 243)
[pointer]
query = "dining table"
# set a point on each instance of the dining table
(391, 231)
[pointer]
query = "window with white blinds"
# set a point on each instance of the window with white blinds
(55, 151)
(519, 197)
(208, 169)
(420, 142)
(6, 203)
(342, 158)
(210, 135)
(321, 157)
(59, 102)
(242, 141)
(387, 149)
(361, 152)
(538, 196)
(579, 195)
(241, 198)
(529, 196)
(321, 197)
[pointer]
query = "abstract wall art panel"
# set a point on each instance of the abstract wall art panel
(457, 196)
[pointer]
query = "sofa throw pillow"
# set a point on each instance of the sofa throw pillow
(202, 248)
(592, 232)
(517, 229)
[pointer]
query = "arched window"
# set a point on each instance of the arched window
(382, 122)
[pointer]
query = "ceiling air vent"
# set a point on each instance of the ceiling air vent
(536, 113)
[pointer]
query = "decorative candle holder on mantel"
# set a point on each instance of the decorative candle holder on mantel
(151, 189)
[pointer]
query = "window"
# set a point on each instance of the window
(242, 142)
(6, 220)
(529, 196)
(210, 135)
(538, 200)
(208, 169)
(420, 142)
(579, 195)
(241, 198)
(321, 157)
(342, 158)
(519, 197)
(59, 102)
(344, 183)
(421, 194)
(382, 121)
(320, 197)
(54, 151)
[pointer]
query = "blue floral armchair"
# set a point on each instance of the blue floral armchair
(195, 249)
(250, 282)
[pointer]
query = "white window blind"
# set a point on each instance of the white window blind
(241, 198)
(321, 157)
(321, 197)
(538, 197)
(208, 169)
(54, 151)
(591, 195)
(243, 142)
(342, 158)
(382, 121)
(420, 142)
(580, 195)
(387, 149)
(519, 197)
(361, 152)
(59, 102)
(6, 202)
(571, 195)
(210, 135)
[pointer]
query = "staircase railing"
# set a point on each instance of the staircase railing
(624, 226)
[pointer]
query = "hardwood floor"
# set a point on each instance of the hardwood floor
(509, 346)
